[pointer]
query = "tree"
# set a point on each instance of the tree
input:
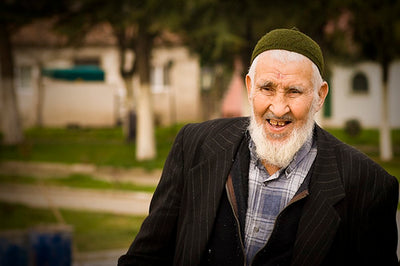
(373, 33)
(11, 124)
(13, 15)
(136, 24)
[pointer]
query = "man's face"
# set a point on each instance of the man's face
(282, 96)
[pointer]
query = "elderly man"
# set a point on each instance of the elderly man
(275, 189)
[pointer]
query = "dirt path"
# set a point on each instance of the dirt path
(131, 203)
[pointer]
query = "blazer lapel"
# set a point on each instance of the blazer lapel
(208, 183)
(319, 221)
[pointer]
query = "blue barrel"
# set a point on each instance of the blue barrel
(14, 248)
(51, 245)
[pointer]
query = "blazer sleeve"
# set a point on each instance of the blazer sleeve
(155, 242)
(380, 238)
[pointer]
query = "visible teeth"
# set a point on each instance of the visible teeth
(277, 123)
(273, 122)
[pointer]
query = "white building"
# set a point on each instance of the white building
(356, 93)
(78, 99)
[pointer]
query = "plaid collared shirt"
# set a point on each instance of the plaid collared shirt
(269, 195)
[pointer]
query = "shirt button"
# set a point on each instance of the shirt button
(256, 229)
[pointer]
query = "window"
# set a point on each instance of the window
(360, 83)
(160, 78)
(24, 77)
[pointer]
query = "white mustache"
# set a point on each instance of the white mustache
(286, 117)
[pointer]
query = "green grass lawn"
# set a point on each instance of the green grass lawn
(107, 146)
(94, 146)
(367, 140)
(76, 181)
(92, 230)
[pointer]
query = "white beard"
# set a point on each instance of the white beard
(275, 152)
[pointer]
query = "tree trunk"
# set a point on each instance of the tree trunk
(145, 139)
(129, 125)
(385, 139)
(40, 96)
(11, 125)
(127, 70)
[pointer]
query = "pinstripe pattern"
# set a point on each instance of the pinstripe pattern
(346, 189)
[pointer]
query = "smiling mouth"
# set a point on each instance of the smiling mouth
(278, 123)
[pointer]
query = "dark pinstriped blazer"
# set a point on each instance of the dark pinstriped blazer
(349, 213)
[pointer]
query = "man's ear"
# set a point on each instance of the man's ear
(248, 86)
(322, 93)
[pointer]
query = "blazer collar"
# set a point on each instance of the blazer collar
(319, 221)
(209, 177)
(227, 139)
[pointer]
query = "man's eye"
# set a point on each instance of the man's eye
(294, 91)
(266, 89)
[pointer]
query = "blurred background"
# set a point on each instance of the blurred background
(93, 93)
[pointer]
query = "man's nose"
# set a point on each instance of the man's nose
(279, 105)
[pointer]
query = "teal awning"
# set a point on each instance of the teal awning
(87, 73)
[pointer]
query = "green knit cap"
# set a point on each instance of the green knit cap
(291, 40)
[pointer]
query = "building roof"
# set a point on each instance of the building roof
(40, 33)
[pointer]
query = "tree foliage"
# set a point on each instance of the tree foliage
(376, 28)
(16, 13)
(219, 29)
(366, 30)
